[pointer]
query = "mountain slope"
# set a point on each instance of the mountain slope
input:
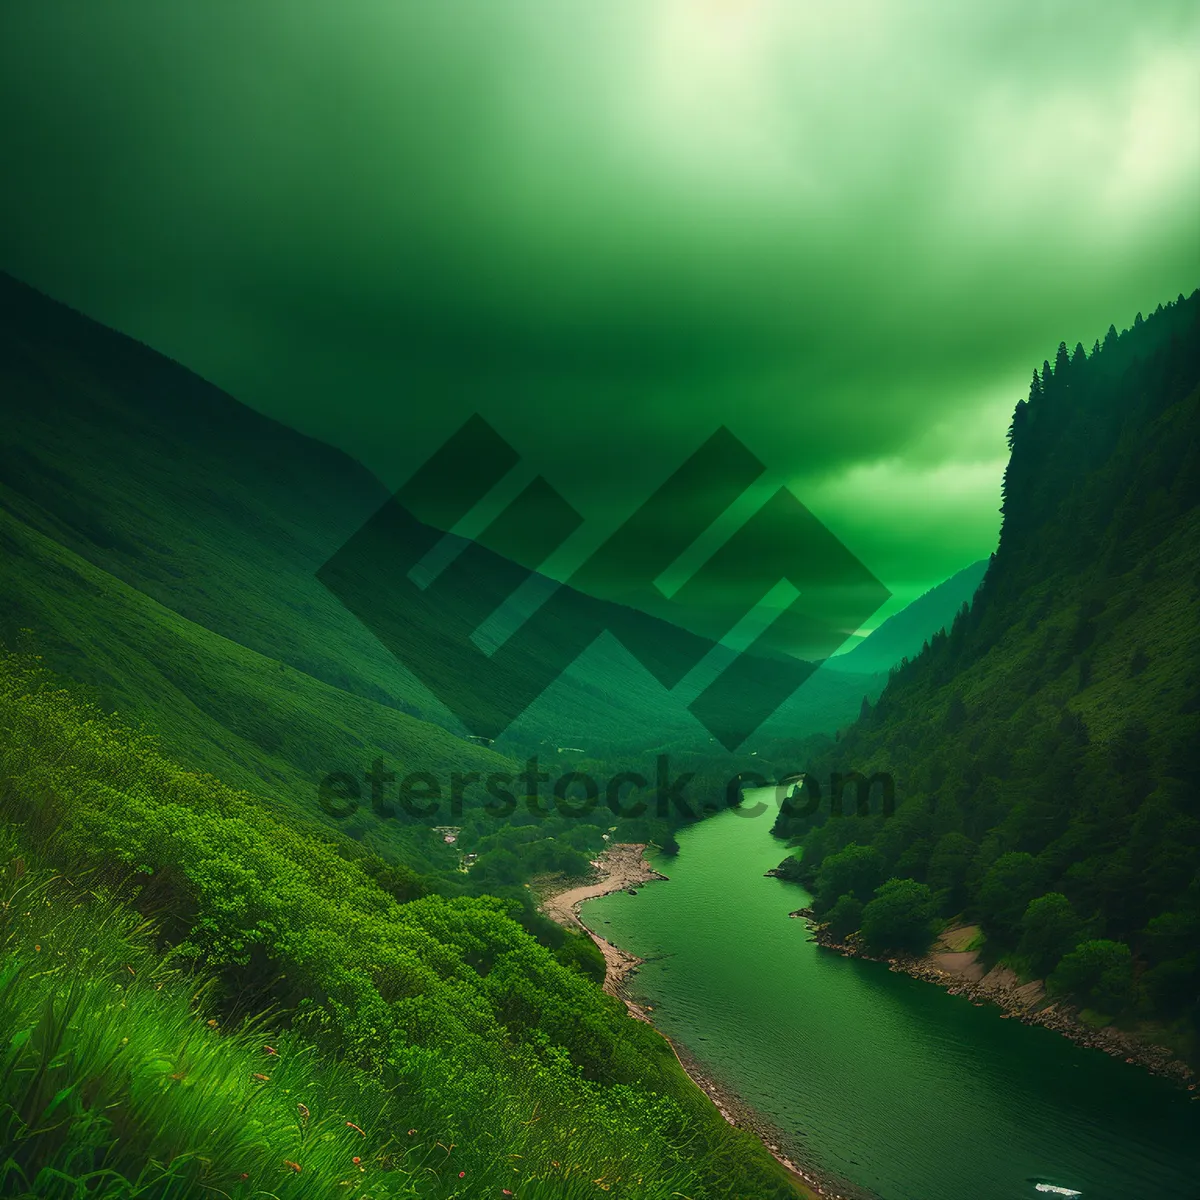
(222, 518)
(903, 634)
(160, 542)
(1045, 746)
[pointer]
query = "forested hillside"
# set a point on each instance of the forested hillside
(1044, 751)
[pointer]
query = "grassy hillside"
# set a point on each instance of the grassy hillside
(160, 550)
(175, 899)
(1044, 749)
(432, 1043)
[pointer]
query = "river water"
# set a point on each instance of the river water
(891, 1084)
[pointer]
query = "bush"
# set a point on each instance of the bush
(1011, 883)
(457, 1023)
(1049, 929)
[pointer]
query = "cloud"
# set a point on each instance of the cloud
(847, 231)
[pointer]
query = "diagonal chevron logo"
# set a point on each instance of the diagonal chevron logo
(432, 625)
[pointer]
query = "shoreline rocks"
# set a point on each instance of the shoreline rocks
(1026, 1003)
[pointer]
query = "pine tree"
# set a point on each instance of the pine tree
(1018, 421)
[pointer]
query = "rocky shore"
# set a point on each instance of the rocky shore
(623, 867)
(742, 1116)
(952, 966)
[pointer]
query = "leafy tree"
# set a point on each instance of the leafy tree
(854, 871)
(497, 868)
(397, 880)
(1014, 879)
(1174, 985)
(948, 865)
(900, 917)
(1098, 972)
(1049, 929)
(1172, 935)
(845, 916)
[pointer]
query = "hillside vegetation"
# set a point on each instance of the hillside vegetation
(422, 1048)
(211, 983)
(1044, 749)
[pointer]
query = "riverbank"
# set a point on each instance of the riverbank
(623, 867)
(742, 1116)
(952, 965)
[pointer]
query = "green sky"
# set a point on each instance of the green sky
(846, 231)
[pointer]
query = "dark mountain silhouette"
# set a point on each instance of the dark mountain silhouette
(1044, 749)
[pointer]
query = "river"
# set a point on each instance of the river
(886, 1082)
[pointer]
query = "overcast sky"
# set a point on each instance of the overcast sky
(847, 231)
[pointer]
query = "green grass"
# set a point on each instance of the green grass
(439, 1015)
(114, 1079)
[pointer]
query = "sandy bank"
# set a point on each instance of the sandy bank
(619, 868)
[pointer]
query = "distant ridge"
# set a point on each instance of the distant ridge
(903, 634)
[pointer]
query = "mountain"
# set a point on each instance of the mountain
(903, 634)
(233, 944)
(171, 549)
(1043, 750)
